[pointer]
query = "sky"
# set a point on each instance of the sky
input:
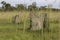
(55, 3)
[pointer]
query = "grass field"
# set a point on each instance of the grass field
(10, 31)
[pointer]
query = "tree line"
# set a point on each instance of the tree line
(8, 7)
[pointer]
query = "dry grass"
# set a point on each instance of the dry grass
(8, 31)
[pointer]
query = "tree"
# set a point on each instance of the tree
(42, 8)
(6, 6)
(4, 3)
(30, 7)
(20, 7)
(33, 6)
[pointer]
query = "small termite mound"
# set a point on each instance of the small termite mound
(16, 19)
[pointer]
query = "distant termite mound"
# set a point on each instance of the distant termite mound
(16, 19)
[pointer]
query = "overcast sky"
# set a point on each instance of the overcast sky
(55, 3)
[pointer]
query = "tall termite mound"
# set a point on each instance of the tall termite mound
(38, 22)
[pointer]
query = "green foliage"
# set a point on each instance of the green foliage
(7, 7)
(33, 6)
(20, 7)
(3, 2)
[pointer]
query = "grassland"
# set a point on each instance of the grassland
(10, 31)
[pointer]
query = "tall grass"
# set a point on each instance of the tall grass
(8, 29)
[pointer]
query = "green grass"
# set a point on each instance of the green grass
(10, 31)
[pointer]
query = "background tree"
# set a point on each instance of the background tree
(6, 6)
(43, 8)
(30, 7)
(33, 6)
(3, 4)
(20, 7)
